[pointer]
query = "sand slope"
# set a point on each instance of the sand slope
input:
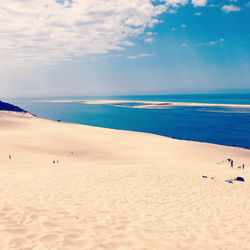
(117, 190)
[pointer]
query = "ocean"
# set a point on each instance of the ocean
(224, 126)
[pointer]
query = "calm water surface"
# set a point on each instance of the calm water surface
(225, 126)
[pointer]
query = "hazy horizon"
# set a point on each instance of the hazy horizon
(226, 92)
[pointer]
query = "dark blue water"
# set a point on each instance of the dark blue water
(225, 126)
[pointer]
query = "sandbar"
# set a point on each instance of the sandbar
(150, 104)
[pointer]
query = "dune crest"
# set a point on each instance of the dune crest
(4, 106)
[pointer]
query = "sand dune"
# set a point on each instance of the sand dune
(117, 189)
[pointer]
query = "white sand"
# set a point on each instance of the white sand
(118, 190)
(152, 104)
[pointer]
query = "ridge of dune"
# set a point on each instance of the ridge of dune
(71, 186)
(4, 106)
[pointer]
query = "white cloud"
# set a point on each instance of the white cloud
(151, 33)
(48, 31)
(183, 26)
(184, 45)
(212, 43)
(176, 3)
(139, 56)
(148, 40)
(199, 3)
(172, 5)
(230, 8)
(173, 29)
(198, 14)
(172, 11)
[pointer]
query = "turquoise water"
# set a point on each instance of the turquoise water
(225, 126)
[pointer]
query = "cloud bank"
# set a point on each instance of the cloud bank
(230, 8)
(139, 56)
(48, 30)
(199, 3)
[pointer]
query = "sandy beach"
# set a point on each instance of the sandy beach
(69, 186)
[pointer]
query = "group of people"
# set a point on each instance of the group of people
(232, 164)
(54, 162)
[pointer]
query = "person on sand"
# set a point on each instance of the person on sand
(243, 166)
(10, 157)
(232, 164)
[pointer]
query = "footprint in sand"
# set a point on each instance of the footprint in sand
(110, 245)
(80, 244)
(49, 238)
(33, 217)
(18, 230)
(31, 236)
(51, 224)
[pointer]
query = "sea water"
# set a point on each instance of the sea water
(220, 125)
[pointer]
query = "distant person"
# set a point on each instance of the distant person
(232, 164)
(53, 162)
(10, 157)
(243, 166)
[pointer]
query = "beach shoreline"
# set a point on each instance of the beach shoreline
(72, 186)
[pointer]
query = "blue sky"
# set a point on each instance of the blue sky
(131, 48)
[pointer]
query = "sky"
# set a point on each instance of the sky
(123, 47)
